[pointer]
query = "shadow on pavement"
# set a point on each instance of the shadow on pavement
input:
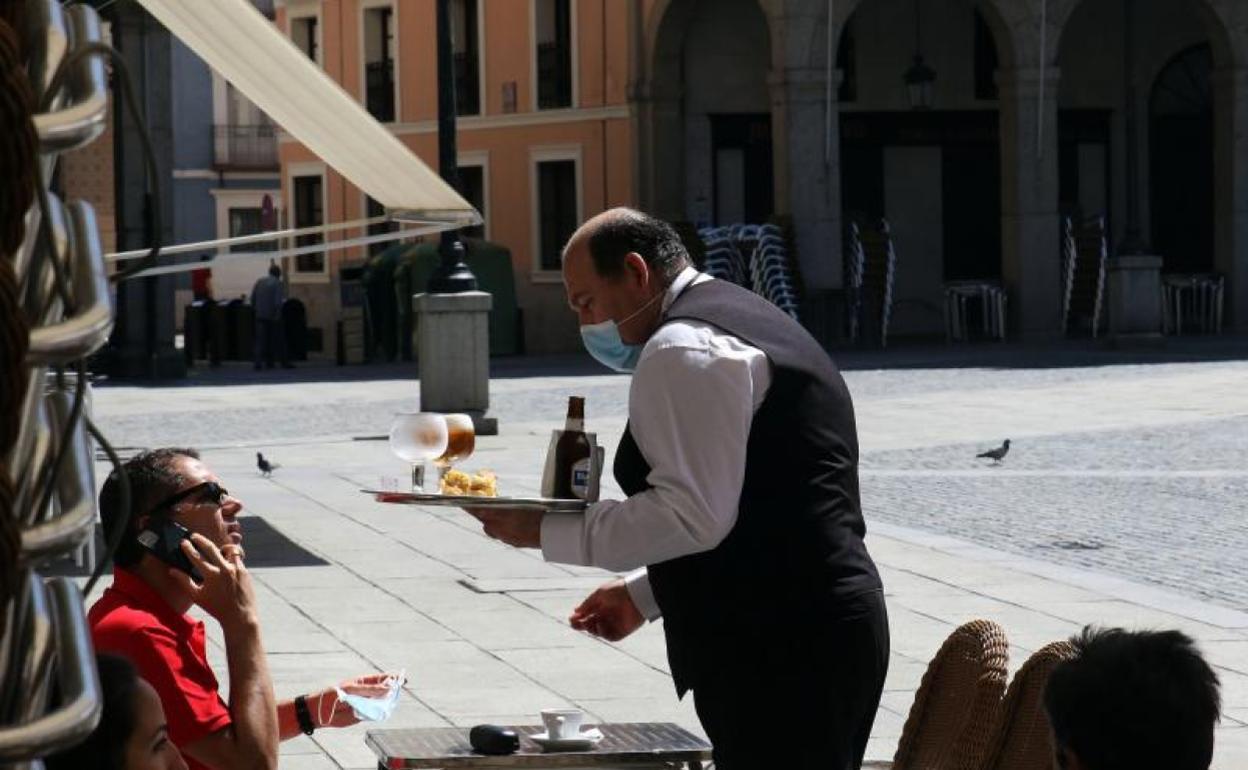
(265, 546)
(902, 355)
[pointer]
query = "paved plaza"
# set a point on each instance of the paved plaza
(1120, 503)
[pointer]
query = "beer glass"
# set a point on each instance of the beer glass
(418, 437)
(461, 439)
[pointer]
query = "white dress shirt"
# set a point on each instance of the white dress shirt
(690, 405)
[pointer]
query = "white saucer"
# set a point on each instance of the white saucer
(587, 739)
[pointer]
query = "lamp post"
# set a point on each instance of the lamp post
(452, 275)
(919, 77)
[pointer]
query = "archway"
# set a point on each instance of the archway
(933, 169)
(1181, 162)
(709, 121)
(1151, 79)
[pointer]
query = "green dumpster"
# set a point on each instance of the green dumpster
(489, 262)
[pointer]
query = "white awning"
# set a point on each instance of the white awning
(250, 52)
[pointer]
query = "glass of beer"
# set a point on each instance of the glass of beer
(461, 440)
(418, 437)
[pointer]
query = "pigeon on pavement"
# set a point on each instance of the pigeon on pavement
(266, 467)
(998, 454)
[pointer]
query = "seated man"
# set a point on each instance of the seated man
(142, 616)
(1133, 700)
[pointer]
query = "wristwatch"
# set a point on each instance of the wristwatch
(303, 715)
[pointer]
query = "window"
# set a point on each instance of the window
(309, 211)
(374, 209)
(553, 34)
(472, 187)
(985, 60)
(247, 138)
(466, 46)
(303, 30)
(379, 62)
(248, 221)
(558, 209)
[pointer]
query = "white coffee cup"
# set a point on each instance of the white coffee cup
(562, 724)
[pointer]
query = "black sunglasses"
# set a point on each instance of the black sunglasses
(213, 492)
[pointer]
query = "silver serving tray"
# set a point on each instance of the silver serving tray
(550, 505)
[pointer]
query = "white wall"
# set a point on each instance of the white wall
(913, 179)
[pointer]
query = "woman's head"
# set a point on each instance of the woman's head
(132, 734)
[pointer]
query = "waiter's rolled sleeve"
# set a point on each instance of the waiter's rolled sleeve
(563, 538)
(638, 584)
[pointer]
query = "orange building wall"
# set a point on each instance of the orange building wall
(606, 142)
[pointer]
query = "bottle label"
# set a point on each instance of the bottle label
(580, 478)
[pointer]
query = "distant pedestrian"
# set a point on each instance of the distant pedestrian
(201, 282)
(267, 297)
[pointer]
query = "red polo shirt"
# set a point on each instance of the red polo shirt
(169, 651)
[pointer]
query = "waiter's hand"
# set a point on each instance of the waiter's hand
(519, 527)
(608, 612)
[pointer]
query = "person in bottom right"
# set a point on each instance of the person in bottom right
(1133, 700)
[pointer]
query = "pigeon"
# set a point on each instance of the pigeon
(998, 454)
(266, 467)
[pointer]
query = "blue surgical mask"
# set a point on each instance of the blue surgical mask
(374, 709)
(603, 341)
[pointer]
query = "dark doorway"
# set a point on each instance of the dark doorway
(742, 167)
(1083, 158)
(970, 179)
(1181, 162)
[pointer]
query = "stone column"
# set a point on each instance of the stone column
(1030, 225)
(453, 347)
(808, 185)
(1231, 191)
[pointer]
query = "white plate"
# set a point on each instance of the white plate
(469, 501)
(583, 742)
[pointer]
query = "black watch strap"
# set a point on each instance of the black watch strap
(303, 715)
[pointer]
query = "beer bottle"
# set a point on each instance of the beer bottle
(572, 454)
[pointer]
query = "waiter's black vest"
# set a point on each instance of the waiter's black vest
(795, 559)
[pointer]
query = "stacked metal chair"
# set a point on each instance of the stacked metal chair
(1193, 300)
(879, 271)
(1085, 258)
(767, 270)
(854, 264)
(55, 310)
(723, 259)
(771, 272)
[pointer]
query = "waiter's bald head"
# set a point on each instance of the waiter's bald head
(608, 238)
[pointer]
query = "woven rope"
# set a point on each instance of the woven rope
(958, 703)
(1024, 741)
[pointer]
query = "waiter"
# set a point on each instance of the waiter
(742, 525)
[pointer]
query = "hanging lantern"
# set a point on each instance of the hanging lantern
(920, 79)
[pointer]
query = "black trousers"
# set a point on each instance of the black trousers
(815, 712)
(269, 343)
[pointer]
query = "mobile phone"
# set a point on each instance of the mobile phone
(162, 538)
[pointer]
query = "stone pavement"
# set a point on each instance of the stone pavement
(1120, 504)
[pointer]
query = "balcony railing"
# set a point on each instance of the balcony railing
(252, 146)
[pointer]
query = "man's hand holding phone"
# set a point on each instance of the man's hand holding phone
(226, 592)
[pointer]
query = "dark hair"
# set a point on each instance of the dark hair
(105, 747)
(275, 271)
(1134, 699)
(632, 231)
(153, 476)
